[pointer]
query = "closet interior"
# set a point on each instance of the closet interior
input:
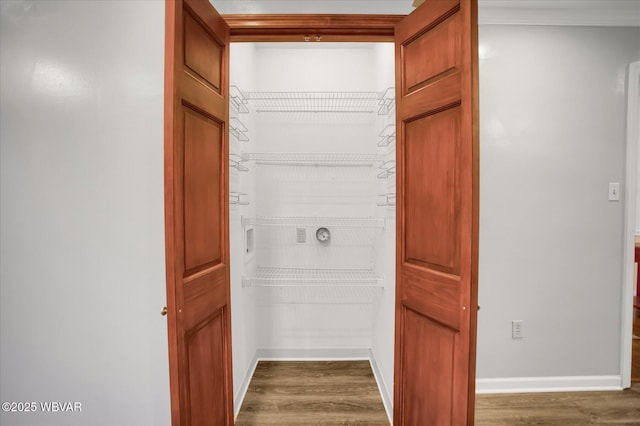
(312, 205)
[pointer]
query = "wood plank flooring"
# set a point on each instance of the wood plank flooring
(560, 408)
(345, 393)
(312, 393)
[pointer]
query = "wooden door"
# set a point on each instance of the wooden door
(437, 234)
(197, 213)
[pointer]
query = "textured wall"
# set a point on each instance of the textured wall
(82, 258)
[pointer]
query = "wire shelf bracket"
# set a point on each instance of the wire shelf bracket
(387, 135)
(237, 198)
(388, 168)
(238, 130)
(237, 161)
(388, 199)
(387, 101)
(238, 100)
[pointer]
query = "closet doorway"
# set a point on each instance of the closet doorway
(437, 201)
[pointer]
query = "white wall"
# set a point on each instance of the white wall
(552, 135)
(315, 318)
(243, 320)
(82, 276)
(382, 342)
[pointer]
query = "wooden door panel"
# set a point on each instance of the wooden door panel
(431, 154)
(204, 292)
(197, 216)
(197, 95)
(202, 53)
(422, 69)
(437, 235)
(444, 94)
(431, 349)
(435, 11)
(202, 177)
(438, 294)
(205, 354)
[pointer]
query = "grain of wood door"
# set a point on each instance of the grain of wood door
(437, 235)
(197, 214)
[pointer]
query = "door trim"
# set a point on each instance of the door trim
(287, 28)
(331, 28)
(630, 225)
(170, 99)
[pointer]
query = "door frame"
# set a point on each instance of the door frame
(301, 28)
(630, 225)
(297, 28)
(294, 28)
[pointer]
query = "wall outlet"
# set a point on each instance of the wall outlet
(516, 329)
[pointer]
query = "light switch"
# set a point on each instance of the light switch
(614, 191)
(301, 235)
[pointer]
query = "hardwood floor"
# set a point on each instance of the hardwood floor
(312, 393)
(345, 393)
(560, 409)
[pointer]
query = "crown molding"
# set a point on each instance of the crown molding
(279, 7)
(606, 13)
(609, 13)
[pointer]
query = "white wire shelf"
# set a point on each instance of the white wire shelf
(315, 159)
(316, 295)
(285, 277)
(299, 221)
(317, 102)
(238, 100)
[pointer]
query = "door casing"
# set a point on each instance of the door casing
(310, 28)
(330, 28)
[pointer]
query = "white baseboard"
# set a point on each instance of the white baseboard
(548, 384)
(244, 386)
(386, 398)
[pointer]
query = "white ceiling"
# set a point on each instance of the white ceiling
(525, 12)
